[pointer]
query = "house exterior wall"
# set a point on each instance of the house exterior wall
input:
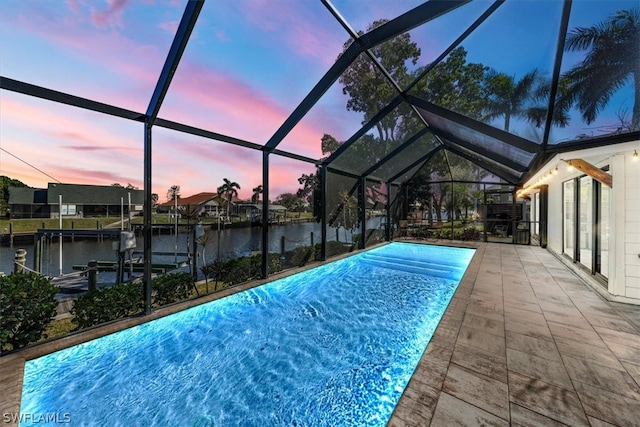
(623, 283)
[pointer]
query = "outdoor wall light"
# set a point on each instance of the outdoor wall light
(635, 155)
(555, 171)
(569, 165)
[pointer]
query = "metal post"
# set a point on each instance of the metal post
(37, 252)
(121, 213)
(265, 214)
(452, 207)
(323, 213)
(19, 260)
(175, 214)
(196, 230)
(147, 218)
(362, 202)
(60, 235)
(93, 274)
(387, 228)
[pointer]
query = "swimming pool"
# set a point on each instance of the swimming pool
(334, 345)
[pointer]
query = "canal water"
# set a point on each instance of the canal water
(232, 243)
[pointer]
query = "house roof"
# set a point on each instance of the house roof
(27, 196)
(258, 206)
(92, 194)
(196, 199)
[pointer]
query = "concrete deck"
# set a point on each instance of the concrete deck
(523, 342)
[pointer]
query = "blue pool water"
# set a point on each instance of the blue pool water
(334, 345)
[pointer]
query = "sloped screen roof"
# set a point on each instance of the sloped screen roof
(367, 88)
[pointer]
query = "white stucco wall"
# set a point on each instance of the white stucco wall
(624, 241)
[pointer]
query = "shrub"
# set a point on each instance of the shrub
(302, 255)
(333, 248)
(27, 305)
(243, 269)
(470, 233)
(215, 270)
(173, 287)
(107, 304)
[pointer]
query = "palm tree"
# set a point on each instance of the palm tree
(204, 241)
(349, 206)
(229, 190)
(257, 191)
(610, 62)
(510, 98)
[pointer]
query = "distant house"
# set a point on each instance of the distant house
(78, 201)
(203, 204)
(254, 211)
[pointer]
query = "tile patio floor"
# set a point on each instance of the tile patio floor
(523, 342)
(526, 342)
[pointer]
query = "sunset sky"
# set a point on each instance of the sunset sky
(246, 68)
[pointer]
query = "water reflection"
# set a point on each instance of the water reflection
(229, 243)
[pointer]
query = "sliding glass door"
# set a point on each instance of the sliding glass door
(586, 223)
(585, 212)
(569, 224)
(604, 224)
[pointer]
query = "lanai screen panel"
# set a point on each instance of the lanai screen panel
(404, 159)
(477, 139)
(492, 166)
(501, 73)
(249, 64)
(67, 144)
(342, 212)
(88, 49)
(387, 135)
(598, 77)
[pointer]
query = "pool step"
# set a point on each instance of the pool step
(430, 267)
(422, 261)
(447, 259)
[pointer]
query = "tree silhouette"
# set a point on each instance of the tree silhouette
(611, 61)
(510, 98)
(257, 191)
(228, 190)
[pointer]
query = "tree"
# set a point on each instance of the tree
(310, 184)
(257, 191)
(329, 144)
(508, 97)
(204, 240)
(5, 183)
(348, 218)
(610, 62)
(455, 84)
(369, 92)
(289, 200)
(173, 193)
(228, 190)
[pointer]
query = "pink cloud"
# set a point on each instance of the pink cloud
(111, 17)
(169, 27)
(304, 31)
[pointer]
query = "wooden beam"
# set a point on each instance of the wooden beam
(594, 172)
